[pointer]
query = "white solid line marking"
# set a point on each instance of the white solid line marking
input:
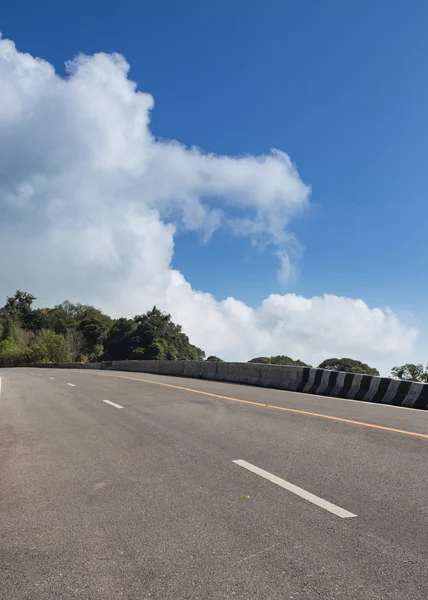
(0, 386)
(113, 403)
(72, 384)
(336, 510)
(51, 377)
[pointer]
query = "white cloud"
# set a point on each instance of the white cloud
(286, 271)
(91, 202)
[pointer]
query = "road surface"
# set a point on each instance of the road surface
(127, 485)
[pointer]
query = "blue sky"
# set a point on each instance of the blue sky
(340, 86)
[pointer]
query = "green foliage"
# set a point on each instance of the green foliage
(35, 320)
(10, 353)
(117, 343)
(157, 350)
(10, 329)
(94, 327)
(349, 365)
(286, 360)
(19, 304)
(76, 345)
(278, 360)
(96, 354)
(37, 353)
(264, 360)
(138, 354)
(411, 372)
(154, 331)
(80, 332)
(56, 346)
(160, 349)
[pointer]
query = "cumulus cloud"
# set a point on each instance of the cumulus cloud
(91, 203)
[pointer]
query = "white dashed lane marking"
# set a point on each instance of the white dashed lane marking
(112, 404)
(336, 510)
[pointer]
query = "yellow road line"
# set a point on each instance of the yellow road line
(271, 406)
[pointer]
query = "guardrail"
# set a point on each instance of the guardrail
(296, 379)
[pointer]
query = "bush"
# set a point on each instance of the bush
(160, 350)
(264, 360)
(37, 353)
(349, 365)
(10, 353)
(214, 359)
(56, 346)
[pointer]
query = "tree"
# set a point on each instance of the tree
(214, 359)
(286, 360)
(37, 353)
(76, 344)
(191, 352)
(93, 331)
(56, 346)
(35, 320)
(14, 332)
(60, 319)
(19, 303)
(127, 338)
(410, 372)
(159, 349)
(117, 343)
(94, 326)
(15, 312)
(81, 332)
(265, 360)
(10, 353)
(349, 365)
(279, 360)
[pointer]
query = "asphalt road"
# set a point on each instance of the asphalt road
(99, 502)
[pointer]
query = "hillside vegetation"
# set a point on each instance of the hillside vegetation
(79, 332)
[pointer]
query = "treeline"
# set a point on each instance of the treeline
(348, 365)
(80, 332)
(411, 372)
(278, 360)
(407, 372)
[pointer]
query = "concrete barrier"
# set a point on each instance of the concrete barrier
(297, 379)
(292, 378)
(208, 370)
(176, 367)
(222, 372)
(237, 373)
(278, 377)
(190, 369)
